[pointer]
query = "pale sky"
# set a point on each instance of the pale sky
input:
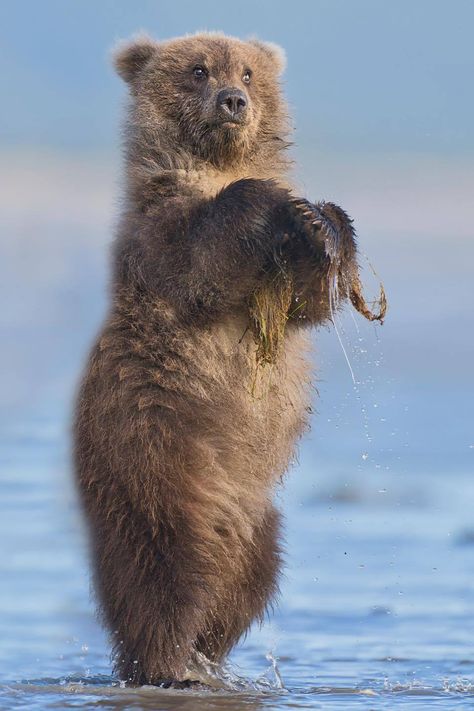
(363, 75)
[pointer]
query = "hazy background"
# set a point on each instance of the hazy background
(382, 98)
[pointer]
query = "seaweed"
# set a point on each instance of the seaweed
(325, 225)
(359, 303)
(269, 313)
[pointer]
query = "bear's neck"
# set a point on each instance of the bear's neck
(160, 158)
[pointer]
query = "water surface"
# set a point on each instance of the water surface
(376, 608)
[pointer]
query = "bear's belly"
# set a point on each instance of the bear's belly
(258, 412)
(251, 419)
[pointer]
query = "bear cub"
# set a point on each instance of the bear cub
(198, 387)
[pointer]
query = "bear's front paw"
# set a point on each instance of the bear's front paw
(326, 226)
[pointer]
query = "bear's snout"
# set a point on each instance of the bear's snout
(232, 104)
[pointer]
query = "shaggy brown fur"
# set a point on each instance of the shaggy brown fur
(198, 387)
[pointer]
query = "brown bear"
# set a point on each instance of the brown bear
(198, 387)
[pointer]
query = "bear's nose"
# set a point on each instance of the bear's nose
(232, 102)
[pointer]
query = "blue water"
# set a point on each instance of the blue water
(376, 608)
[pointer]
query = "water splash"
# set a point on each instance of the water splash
(333, 307)
(272, 677)
(356, 354)
(224, 676)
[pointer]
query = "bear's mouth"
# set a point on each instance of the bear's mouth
(229, 123)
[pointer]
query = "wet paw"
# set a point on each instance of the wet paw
(325, 225)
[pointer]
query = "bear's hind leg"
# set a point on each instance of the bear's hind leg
(154, 607)
(251, 596)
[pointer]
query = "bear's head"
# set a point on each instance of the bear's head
(208, 95)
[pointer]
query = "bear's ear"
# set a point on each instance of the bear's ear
(129, 57)
(273, 51)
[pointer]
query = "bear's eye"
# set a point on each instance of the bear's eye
(199, 72)
(246, 76)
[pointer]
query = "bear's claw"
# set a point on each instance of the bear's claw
(320, 228)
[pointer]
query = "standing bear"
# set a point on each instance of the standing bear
(198, 387)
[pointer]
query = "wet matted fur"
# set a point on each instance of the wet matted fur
(198, 387)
